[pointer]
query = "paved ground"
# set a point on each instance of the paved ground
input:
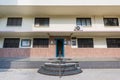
(22, 63)
(26, 69)
(50, 59)
(38, 64)
(88, 74)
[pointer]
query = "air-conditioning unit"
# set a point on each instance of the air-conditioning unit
(78, 28)
(37, 25)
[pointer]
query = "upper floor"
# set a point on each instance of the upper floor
(62, 15)
(60, 23)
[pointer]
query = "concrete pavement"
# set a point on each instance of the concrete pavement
(88, 74)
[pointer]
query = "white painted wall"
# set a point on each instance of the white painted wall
(26, 25)
(27, 37)
(100, 42)
(61, 23)
(100, 24)
(1, 42)
(58, 23)
(59, 2)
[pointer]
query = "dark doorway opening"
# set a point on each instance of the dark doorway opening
(59, 47)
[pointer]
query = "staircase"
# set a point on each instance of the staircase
(61, 69)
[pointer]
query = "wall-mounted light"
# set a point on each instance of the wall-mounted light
(69, 42)
(51, 42)
(65, 42)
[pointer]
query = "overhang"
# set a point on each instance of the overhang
(59, 10)
(62, 33)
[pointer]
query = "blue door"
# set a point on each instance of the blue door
(59, 47)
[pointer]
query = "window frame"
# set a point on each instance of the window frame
(110, 19)
(113, 42)
(14, 21)
(11, 42)
(85, 45)
(79, 22)
(29, 42)
(41, 45)
(38, 22)
(73, 41)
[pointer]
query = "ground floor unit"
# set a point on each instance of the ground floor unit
(60, 46)
(31, 74)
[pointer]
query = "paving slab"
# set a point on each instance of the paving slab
(87, 74)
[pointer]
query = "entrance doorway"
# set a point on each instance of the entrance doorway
(59, 47)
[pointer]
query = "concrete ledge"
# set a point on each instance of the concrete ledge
(38, 64)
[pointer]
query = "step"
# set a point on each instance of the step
(62, 65)
(62, 73)
(21, 64)
(38, 64)
(57, 68)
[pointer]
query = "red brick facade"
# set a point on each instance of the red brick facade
(69, 52)
(92, 52)
(27, 52)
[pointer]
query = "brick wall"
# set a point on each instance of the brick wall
(69, 52)
(27, 52)
(92, 52)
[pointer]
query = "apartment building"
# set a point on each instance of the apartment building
(44, 29)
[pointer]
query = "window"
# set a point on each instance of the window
(85, 43)
(41, 21)
(83, 21)
(40, 42)
(73, 41)
(111, 22)
(113, 42)
(11, 43)
(14, 21)
(25, 42)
